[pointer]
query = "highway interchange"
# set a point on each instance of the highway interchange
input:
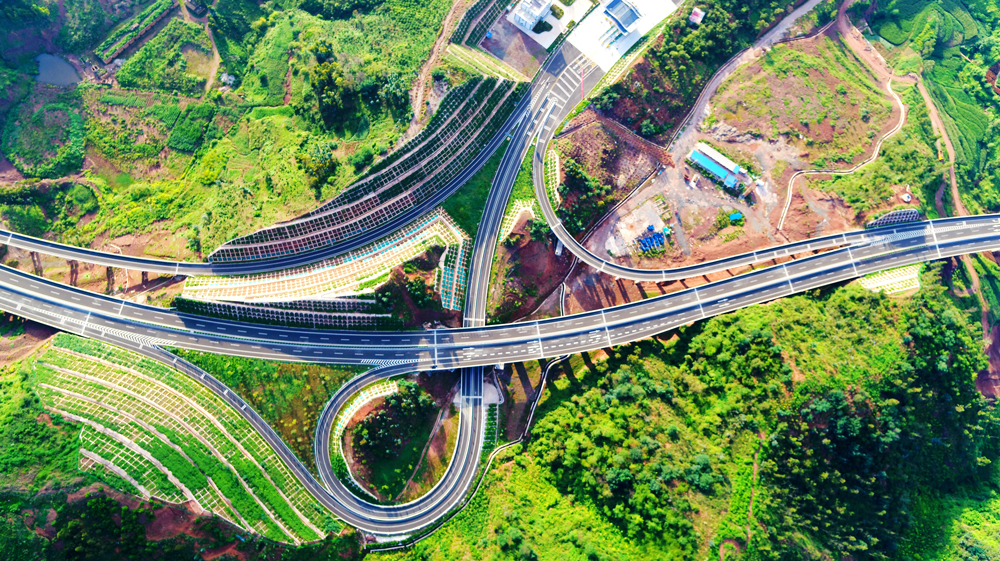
(149, 330)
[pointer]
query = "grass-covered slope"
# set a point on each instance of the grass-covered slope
(167, 62)
(818, 426)
(151, 431)
(952, 45)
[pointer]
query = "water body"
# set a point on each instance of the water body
(56, 71)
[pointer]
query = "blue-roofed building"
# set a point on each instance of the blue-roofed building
(623, 14)
(712, 161)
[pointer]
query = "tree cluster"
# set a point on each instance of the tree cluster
(384, 431)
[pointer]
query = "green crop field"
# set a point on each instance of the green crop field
(160, 64)
(944, 41)
(168, 434)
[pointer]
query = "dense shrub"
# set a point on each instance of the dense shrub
(46, 143)
(382, 433)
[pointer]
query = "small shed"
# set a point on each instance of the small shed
(697, 14)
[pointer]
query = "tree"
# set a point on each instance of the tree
(331, 88)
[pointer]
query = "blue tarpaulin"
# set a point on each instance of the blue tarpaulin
(710, 165)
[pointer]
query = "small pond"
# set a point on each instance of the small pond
(56, 71)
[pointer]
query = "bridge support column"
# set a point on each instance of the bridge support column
(109, 274)
(145, 277)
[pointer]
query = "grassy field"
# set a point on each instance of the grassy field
(908, 158)
(160, 64)
(815, 94)
(44, 135)
(466, 205)
(289, 396)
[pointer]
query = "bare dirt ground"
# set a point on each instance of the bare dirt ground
(514, 47)
(20, 339)
(587, 289)
(550, 307)
(519, 382)
(693, 206)
(528, 272)
(8, 173)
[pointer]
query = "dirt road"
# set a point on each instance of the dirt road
(684, 142)
(422, 84)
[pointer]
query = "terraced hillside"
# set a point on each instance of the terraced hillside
(470, 116)
(152, 431)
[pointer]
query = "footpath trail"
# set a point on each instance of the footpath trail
(851, 37)
(214, 69)
(422, 84)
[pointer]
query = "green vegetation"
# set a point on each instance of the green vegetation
(466, 205)
(190, 126)
(826, 97)
(85, 22)
(289, 396)
(676, 70)
(790, 424)
(557, 11)
(24, 10)
(56, 209)
(390, 439)
(176, 412)
(125, 34)
(952, 44)
(161, 65)
(235, 32)
(33, 454)
(585, 199)
(908, 158)
(47, 142)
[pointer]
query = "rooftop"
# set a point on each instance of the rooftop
(534, 8)
(718, 157)
(697, 15)
(624, 14)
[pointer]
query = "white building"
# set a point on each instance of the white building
(623, 14)
(530, 12)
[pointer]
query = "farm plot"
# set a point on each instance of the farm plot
(202, 449)
(161, 63)
(428, 163)
(129, 32)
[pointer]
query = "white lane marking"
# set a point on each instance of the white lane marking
(698, 298)
(86, 323)
(121, 308)
(606, 330)
(936, 245)
(853, 266)
(788, 278)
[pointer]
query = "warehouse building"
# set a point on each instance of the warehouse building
(715, 163)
